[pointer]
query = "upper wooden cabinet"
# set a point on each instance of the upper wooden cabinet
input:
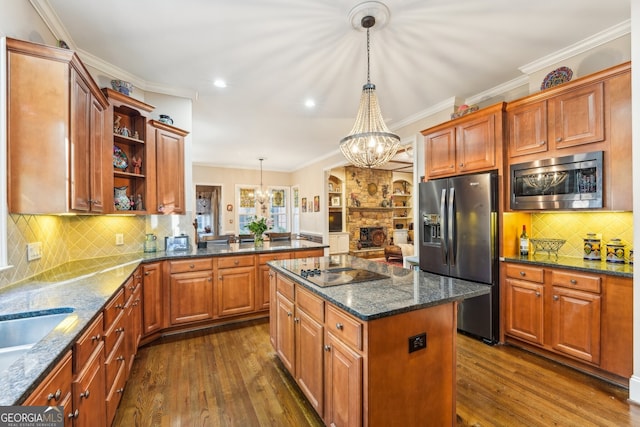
(56, 154)
(592, 113)
(468, 144)
(568, 119)
(167, 190)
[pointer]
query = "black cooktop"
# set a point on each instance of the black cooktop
(339, 276)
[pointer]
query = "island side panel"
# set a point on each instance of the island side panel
(416, 388)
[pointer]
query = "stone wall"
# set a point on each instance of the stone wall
(368, 193)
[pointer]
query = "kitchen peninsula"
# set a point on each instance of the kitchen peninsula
(114, 304)
(368, 344)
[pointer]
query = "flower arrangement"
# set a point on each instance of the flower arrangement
(258, 226)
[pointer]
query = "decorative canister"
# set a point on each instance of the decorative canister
(150, 243)
(592, 247)
(615, 251)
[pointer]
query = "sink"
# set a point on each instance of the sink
(18, 335)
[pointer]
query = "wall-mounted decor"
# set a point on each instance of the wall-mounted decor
(278, 198)
(316, 203)
(304, 204)
(335, 202)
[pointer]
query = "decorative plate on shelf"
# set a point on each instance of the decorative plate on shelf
(557, 77)
(120, 160)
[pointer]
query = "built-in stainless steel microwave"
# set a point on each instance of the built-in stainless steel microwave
(569, 182)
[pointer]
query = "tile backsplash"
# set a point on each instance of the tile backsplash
(70, 238)
(573, 227)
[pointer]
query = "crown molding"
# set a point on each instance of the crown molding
(501, 89)
(59, 31)
(434, 109)
(582, 46)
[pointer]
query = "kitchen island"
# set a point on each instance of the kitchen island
(369, 344)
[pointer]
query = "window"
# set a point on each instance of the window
(246, 208)
(279, 207)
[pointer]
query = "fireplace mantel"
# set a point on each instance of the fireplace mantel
(374, 209)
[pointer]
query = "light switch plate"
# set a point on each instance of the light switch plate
(34, 251)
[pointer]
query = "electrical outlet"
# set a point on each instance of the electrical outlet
(417, 342)
(34, 251)
(119, 239)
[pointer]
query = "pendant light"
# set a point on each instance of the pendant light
(370, 143)
(261, 196)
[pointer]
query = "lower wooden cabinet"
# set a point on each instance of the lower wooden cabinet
(55, 390)
(152, 298)
(190, 297)
(235, 285)
(570, 315)
(343, 389)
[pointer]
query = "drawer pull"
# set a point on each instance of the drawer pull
(96, 337)
(119, 330)
(74, 414)
(339, 326)
(573, 281)
(120, 390)
(120, 358)
(120, 306)
(522, 273)
(84, 394)
(556, 297)
(55, 396)
(236, 262)
(191, 266)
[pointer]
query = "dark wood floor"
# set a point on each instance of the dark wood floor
(230, 376)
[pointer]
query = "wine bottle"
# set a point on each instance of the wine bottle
(524, 242)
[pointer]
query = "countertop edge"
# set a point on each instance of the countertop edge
(577, 264)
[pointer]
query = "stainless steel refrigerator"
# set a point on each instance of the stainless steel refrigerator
(458, 238)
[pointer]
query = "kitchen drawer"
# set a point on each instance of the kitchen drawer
(113, 309)
(344, 327)
(114, 393)
(572, 280)
(89, 341)
(523, 272)
(134, 281)
(276, 256)
(55, 387)
(235, 261)
(114, 333)
(312, 253)
(114, 361)
(194, 264)
(284, 285)
(310, 304)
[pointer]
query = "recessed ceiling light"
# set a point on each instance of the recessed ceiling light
(309, 103)
(220, 83)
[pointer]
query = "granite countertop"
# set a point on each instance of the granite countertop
(82, 288)
(578, 264)
(404, 290)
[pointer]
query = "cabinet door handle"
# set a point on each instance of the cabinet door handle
(537, 293)
(120, 390)
(556, 297)
(146, 273)
(522, 273)
(289, 314)
(461, 164)
(74, 414)
(96, 337)
(452, 166)
(558, 139)
(219, 277)
(120, 358)
(84, 394)
(542, 142)
(210, 279)
(573, 281)
(55, 396)
(339, 326)
(327, 347)
(296, 320)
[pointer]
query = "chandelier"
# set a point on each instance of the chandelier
(261, 196)
(370, 143)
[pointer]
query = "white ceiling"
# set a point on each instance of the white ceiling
(275, 54)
